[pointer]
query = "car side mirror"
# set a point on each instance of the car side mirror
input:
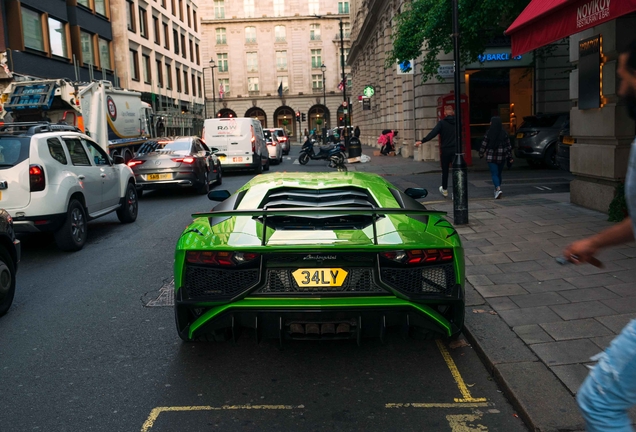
(118, 159)
(219, 195)
(214, 150)
(416, 193)
(207, 153)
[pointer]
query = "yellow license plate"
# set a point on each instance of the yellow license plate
(221, 158)
(520, 135)
(319, 277)
(568, 140)
(159, 177)
(237, 159)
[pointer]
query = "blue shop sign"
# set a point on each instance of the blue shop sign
(497, 57)
(500, 58)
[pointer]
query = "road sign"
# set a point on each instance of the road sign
(446, 71)
(368, 91)
(366, 104)
(344, 104)
(405, 67)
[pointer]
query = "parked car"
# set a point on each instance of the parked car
(176, 162)
(538, 136)
(563, 149)
(274, 147)
(55, 179)
(283, 138)
(330, 255)
(240, 142)
(9, 259)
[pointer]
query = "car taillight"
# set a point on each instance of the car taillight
(185, 160)
(37, 182)
(419, 256)
(282, 138)
(273, 143)
(134, 162)
(221, 258)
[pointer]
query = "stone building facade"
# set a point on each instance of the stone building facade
(268, 57)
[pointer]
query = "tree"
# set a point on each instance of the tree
(426, 25)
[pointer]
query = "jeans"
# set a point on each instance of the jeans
(610, 388)
(495, 172)
(446, 159)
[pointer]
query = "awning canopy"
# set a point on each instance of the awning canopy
(545, 21)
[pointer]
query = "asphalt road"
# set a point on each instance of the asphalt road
(90, 345)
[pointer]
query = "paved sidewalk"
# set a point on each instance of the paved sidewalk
(535, 322)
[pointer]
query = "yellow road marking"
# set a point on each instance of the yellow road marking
(154, 414)
(466, 396)
(464, 423)
(437, 405)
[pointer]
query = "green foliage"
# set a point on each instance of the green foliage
(618, 207)
(318, 122)
(427, 26)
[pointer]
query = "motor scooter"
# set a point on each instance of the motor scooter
(334, 153)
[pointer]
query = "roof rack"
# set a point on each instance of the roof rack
(32, 128)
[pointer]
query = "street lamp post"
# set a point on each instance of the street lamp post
(212, 67)
(460, 180)
(323, 68)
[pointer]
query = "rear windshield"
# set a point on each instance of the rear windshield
(279, 133)
(13, 150)
(268, 135)
(178, 146)
(547, 121)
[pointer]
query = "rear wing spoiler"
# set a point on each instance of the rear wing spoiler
(374, 212)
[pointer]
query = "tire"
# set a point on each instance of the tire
(259, 166)
(127, 155)
(127, 213)
(303, 159)
(7, 281)
(204, 187)
(266, 167)
(550, 160)
(71, 236)
(219, 175)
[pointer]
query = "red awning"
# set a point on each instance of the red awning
(545, 21)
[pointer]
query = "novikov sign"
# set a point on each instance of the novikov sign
(592, 11)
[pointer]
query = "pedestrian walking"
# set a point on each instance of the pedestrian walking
(496, 147)
(609, 390)
(356, 132)
(445, 128)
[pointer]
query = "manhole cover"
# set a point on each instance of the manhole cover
(165, 297)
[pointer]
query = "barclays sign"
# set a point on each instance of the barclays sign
(500, 58)
(497, 57)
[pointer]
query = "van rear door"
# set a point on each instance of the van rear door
(233, 137)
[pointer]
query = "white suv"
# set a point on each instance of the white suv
(55, 179)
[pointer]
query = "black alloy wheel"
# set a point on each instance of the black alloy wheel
(127, 213)
(71, 236)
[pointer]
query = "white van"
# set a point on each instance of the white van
(240, 142)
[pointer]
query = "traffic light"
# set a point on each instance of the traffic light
(304, 118)
(297, 116)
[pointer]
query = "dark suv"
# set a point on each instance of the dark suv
(538, 136)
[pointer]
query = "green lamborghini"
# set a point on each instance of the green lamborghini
(338, 255)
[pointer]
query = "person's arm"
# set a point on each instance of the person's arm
(482, 149)
(436, 130)
(583, 251)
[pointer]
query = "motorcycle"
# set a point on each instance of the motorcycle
(334, 153)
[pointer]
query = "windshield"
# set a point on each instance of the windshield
(164, 146)
(546, 121)
(13, 150)
(268, 135)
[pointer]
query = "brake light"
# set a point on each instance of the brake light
(282, 138)
(419, 256)
(253, 140)
(185, 160)
(134, 162)
(221, 258)
(37, 181)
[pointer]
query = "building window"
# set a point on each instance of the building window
(346, 29)
(314, 7)
(134, 65)
(314, 31)
(188, 15)
(186, 87)
(252, 62)
(280, 33)
(88, 54)
(157, 29)
(175, 37)
(196, 46)
(222, 62)
(281, 60)
(219, 9)
(349, 81)
(285, 82)
(174, 7)
(32, 29)
(200, 88)
(143, 22)
(100, 7)
(248, 6)
(159, 73)
(166, 36)
(168, 76)
(163, 3)
(250, 34)
(104, 53)
(181, 10)
(146, 66)
(57, 38)
(279, 7)
(252, 84)
(178, 75)
(191, 44)
(194, 18)
(183, 47)
(316, 81)
(221, 38)
(346, 54)
(316, 58)
(130, 16)
(224, 83)
(84, 3)
(194, 87)
(343, 7)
